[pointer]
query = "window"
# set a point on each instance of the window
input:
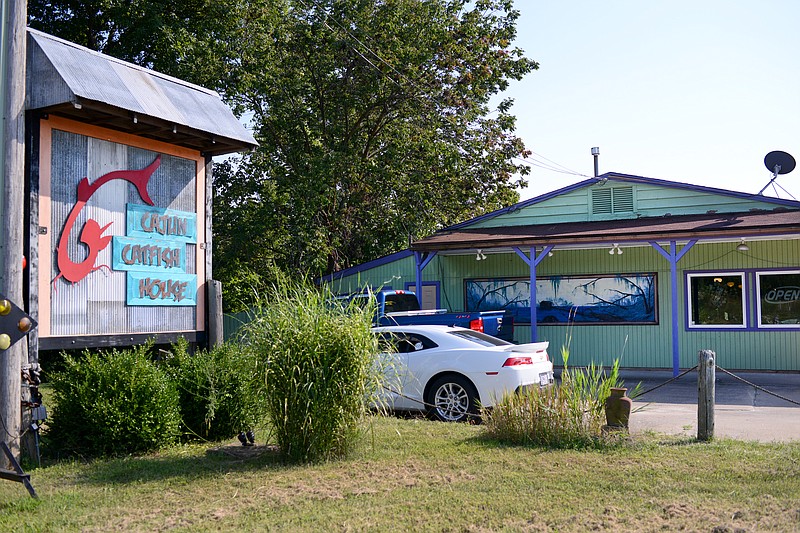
(716, 300)
(778, 299)
(398, 342)
(479, 338)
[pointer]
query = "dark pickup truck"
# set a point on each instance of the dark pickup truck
(402, 308)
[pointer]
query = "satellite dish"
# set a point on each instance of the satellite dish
(778, 162)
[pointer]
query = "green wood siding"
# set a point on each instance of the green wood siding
(657, 201)
(393, 275)
(648, 201)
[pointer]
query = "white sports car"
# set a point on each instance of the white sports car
(448, 372)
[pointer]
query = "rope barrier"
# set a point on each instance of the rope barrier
(762, 389)
(666, 382)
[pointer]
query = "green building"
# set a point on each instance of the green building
(619, 266)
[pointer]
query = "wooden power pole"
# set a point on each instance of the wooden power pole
(12, 188)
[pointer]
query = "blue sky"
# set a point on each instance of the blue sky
(691, 91)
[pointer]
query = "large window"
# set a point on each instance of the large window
(778, 299)
(716, 300)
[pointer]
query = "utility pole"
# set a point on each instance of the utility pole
(12, 187)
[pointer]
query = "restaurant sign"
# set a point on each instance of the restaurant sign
(154, 256)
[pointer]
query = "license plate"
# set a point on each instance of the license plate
(544, 379)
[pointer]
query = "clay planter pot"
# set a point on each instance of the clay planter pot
(618, 408)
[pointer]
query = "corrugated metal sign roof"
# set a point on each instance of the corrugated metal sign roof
(64, 77)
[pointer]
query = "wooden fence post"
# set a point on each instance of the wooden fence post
(706, 372)
(216, 334)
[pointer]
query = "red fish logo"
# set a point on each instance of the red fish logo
(92, 233)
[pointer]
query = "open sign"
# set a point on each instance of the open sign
(781, 295)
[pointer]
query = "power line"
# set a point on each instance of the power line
(551, 166)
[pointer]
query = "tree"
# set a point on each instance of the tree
(375, 127)
(373, 118)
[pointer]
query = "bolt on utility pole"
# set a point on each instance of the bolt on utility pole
(706, 373)
(12, 188)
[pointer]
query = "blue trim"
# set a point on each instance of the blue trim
(523, 204)
(702, 188)
(673, 256)
(750, 299)
(746, 281)
(614, 176)
(366, 266)
(533, 261)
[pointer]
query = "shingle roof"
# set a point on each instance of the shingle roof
(679, 227)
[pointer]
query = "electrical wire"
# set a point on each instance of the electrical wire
(439, 105)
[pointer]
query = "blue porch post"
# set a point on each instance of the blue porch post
(532, 262)
(421, 260)
(673, 256)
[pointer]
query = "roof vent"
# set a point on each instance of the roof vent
(612, 201)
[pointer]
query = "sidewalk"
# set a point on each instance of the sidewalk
(741, 411)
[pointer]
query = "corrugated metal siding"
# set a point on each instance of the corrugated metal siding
(644, 346)
(96, 304)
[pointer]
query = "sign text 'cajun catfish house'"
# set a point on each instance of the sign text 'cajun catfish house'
(120, 198)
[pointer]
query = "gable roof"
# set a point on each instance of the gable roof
(768, 201)
(66, 79)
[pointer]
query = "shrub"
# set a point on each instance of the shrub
(115, 403)
(318, 364)
(217, 389)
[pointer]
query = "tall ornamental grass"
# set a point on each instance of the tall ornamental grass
(318, 361)
(570, 414)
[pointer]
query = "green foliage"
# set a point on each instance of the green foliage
(318, 367)
(115, 403)
(569, 414)
(217, 390)
(374, 126)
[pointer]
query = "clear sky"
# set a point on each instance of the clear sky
(690, 91)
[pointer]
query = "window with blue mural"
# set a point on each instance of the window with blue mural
(579, 300)
(716, 300)
(778, 299)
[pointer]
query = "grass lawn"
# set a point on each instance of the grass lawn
(417, 475)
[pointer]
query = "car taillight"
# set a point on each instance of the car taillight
(476, 325)
(516, 361)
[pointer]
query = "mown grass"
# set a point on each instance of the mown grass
(418, 475)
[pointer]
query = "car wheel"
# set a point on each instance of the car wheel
(453, 399)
